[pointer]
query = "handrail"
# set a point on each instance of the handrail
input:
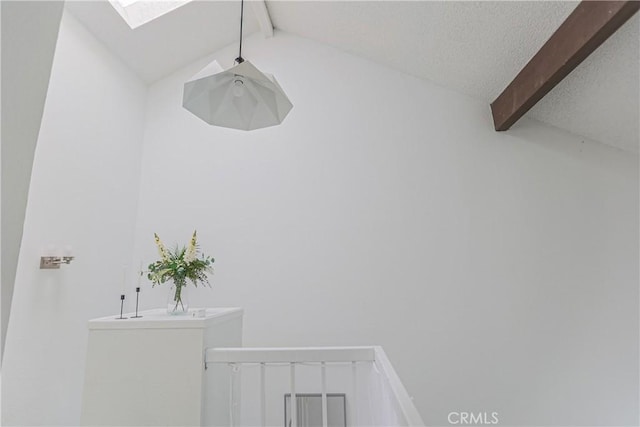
(289, 355)
(403, 399)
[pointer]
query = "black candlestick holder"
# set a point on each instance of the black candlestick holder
(137, 297)
(121, 307)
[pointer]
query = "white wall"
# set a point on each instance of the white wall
(29, 33)
(498, 270)
(83, 193)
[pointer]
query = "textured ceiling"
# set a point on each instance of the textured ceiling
(475, 48)
(601, 99)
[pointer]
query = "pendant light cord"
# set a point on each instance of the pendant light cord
(239, 59)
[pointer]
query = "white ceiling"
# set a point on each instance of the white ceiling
(475, 48)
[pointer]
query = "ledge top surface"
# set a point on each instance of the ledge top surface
(159, 319)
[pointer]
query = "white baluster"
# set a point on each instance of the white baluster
(234, 393)
(263, 393)
(294, 400)
(323, 373)
(354, 401)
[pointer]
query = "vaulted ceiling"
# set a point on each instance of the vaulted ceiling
(475, 48)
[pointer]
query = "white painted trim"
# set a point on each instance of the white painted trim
(321, 355)
(294, 400)
(323, 380)
(262, 15)
(290, 355)
(263, 396)
(403, 400)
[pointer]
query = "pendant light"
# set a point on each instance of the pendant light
(241, 97)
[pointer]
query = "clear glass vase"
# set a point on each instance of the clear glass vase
(178, 299)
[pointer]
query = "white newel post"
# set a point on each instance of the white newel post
(150, 371)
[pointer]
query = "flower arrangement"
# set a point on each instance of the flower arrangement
(182, 265)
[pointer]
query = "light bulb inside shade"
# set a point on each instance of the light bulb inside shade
(238, 87)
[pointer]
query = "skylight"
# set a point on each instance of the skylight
(139, 12)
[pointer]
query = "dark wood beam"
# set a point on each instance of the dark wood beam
(588, 26)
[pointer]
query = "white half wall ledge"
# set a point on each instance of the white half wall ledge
(158, 319)
(157, 377)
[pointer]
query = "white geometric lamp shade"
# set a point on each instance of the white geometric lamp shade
(241, 97)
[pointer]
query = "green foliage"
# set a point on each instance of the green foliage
(181, 265)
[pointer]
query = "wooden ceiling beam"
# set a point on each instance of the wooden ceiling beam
(586, 28)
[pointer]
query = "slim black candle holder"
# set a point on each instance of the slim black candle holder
(137, 297)
(121, 307)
